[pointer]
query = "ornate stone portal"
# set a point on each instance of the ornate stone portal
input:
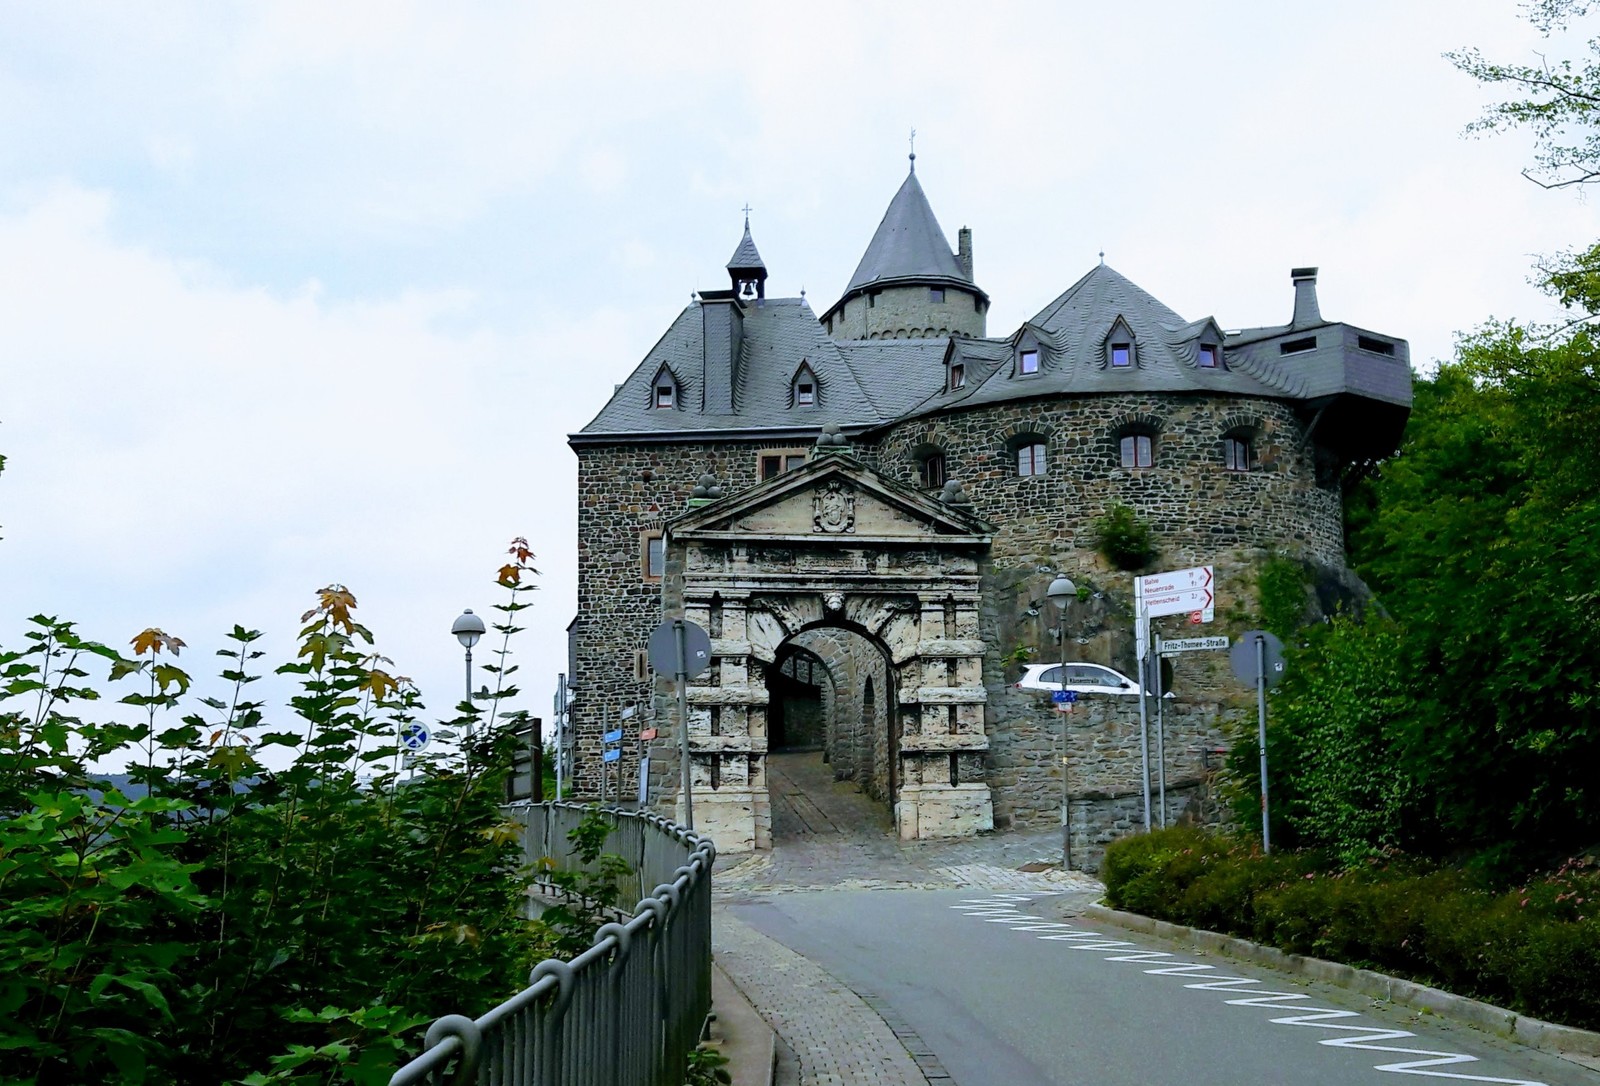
(833, 544)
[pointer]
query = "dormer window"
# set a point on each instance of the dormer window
(1027, 362)
(1210, 354)
(1122, 354)
(664, 390)
(803, 391)
(958, 376)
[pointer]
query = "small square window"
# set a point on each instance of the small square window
(773, 464)
(958, 376)
(1137, 451)
(805, 393)
(936, 294)
(1208, 355)
(664, 395)
(1122, 354)
(1028, 362)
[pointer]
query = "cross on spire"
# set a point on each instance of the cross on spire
(747, 214)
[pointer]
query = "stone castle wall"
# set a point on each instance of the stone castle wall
(1201, 514)
(909, 312)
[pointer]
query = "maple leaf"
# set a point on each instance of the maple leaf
(152, 640)
(335, 602)
(166, 675)
(519, 548)
(509, 575)
(380, 683)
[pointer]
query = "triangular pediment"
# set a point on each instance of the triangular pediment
(833, 497)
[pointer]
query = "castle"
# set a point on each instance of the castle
(863, 508)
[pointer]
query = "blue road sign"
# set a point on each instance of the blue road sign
(612, 755)
(613, 737)
(1060, 696)
(414, 736)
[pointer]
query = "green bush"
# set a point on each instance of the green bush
(1126, 541)
(236, 913)
(1534, 948)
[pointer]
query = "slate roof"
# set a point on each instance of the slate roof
(908, 244)
(745, 257)
(868, 383)
(779, 335)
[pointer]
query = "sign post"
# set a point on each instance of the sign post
(683, 650)
(1161, 732)
(1258, 658)
(1176, 592)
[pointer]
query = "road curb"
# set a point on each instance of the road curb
(1545, 1036)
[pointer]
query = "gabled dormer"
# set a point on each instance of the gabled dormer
(1028, 355)
(1120, 348)
(804, 389)
(666, 391)
(1205, 349)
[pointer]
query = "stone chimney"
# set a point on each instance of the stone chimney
(964, 251)
(722, 332)
(1305, 298)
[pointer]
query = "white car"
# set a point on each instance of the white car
(1081, 677)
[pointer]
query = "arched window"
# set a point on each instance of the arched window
(1029, 450)
(1236, 452)
(1136, 447)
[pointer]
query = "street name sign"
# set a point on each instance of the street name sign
(1192, 644)
(613, 754)
(613, 737)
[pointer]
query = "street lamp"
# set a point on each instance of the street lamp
(468, 628)
(1061, 592)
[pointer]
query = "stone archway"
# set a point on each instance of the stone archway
(833, 544)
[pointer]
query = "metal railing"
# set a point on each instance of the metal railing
(625, 1012)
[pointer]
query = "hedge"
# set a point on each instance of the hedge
(1534, 948)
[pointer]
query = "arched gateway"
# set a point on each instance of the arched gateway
(827, 549)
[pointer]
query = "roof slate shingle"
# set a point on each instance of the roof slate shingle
(908, 244)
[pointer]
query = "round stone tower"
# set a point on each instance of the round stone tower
(909, 285)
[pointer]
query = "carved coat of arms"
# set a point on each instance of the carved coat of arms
(834, 508)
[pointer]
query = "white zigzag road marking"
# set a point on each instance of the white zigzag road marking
(998, 910)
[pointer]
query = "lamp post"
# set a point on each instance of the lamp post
(468, 628)
(1060, 593)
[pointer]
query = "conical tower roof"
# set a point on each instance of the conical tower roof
(745, 257)
(909, 243)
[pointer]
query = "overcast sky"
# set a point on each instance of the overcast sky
(300, 293)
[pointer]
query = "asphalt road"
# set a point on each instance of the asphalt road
(1004, 996)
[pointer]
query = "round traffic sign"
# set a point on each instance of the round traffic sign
(414, 735)
(1242, 657)
(663, 649)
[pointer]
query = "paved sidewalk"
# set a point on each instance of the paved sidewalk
(836, 1037)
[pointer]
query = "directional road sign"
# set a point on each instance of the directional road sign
(414, 736)
(647, 735)
(613, 754)
(613, 737)
(1178, 592)
(1192, 644)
